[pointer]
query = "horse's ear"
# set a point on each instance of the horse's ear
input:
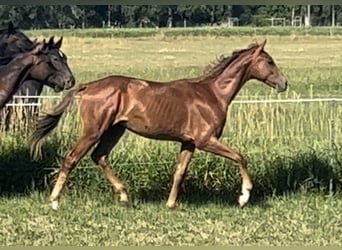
(51, 43)
(58, 44)
(45, 45)
(263, 44)
(260, 48)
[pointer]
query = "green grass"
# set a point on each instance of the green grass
(97, 220)
(294, 166)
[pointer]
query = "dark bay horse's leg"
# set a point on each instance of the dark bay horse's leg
(185, 156)
(100, 156)
(83, 145)
(216, 147)
(8, 112)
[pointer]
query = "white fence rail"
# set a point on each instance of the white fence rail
(257, 101)
(22, 104)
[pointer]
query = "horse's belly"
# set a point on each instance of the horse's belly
(160, 135)
(157, 126)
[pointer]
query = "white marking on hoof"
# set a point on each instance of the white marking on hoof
(243, 199)
(54, 205)
(171, 205)
(123, 198)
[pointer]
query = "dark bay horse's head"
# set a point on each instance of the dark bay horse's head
(53, 69)
(263, 68)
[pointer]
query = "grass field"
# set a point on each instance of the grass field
(302, 58)
(85, 221)
(297, 196)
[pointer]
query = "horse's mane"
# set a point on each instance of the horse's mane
(216, 67)
(9, 29)
(6, 59)
(22, 44)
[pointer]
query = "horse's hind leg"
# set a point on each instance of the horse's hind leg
(100, 156)
(70, 161)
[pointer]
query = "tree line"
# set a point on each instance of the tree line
(96, 16)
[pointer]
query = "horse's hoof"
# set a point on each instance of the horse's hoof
(123, 201)
(54, 205)
(243, 199)
(171, 206)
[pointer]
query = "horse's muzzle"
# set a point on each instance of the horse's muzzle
(66, 84)
(282, 86)
(69, 83)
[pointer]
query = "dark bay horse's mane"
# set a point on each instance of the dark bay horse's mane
(5, 60)
(216, 67)
(11, 47)
(8, 30)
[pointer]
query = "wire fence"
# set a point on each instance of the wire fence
(333, 102)
(257, 101)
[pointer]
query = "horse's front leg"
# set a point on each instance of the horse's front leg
(216, 147)
(185, 156)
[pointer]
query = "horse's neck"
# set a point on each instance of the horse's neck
(13, 75)
(227, 85)
(31, 87)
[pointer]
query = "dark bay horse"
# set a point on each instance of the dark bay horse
(13, 74)
(189, 111)
(14, 42)
(51, 68)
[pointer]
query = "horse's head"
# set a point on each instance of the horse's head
(13, 41)
(263, 68)
(53, 69)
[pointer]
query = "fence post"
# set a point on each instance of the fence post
(333, 149)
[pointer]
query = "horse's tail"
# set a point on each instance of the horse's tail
(49, 121)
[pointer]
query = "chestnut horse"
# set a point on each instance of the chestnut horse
(189, 111)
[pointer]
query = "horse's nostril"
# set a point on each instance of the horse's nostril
(285, 86)
(70, 81)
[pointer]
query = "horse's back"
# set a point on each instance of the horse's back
(152, 109)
